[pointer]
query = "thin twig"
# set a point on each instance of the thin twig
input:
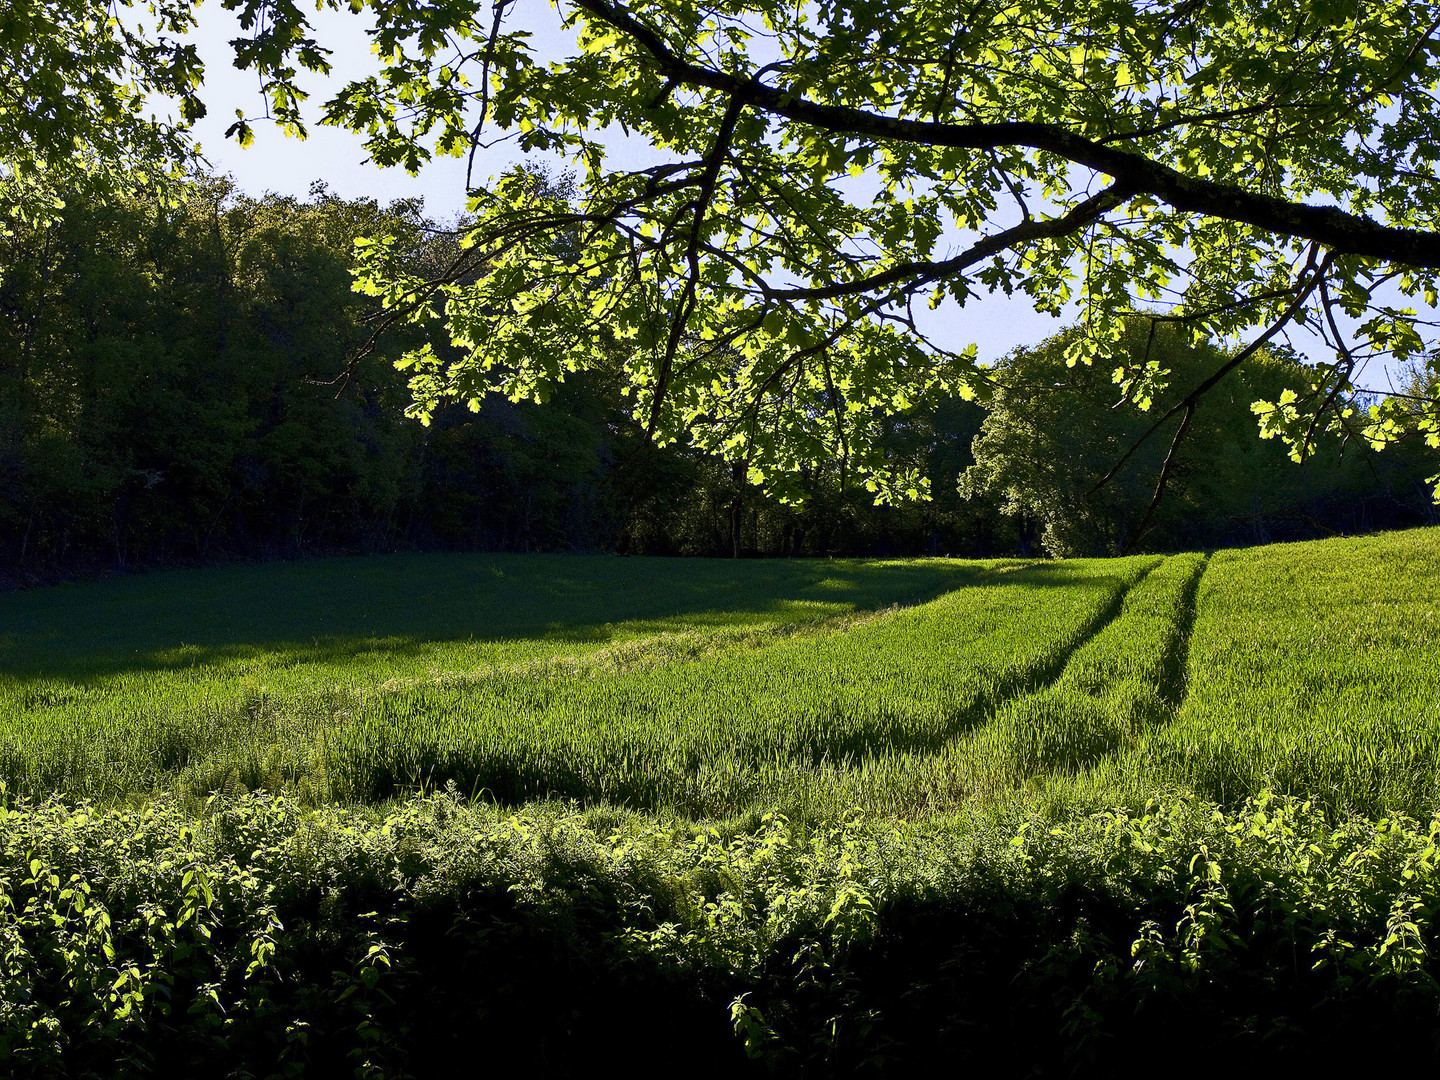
(1316, 273)
(1144, 525)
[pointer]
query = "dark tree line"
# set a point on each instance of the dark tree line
(169, 393)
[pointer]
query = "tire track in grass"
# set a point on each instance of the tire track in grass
(1175, 675)
(1121, 679)
(717, 732)
(1051, 670)
(1003, 687)
(935, 764)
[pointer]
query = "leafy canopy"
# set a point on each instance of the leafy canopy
(73, 109)
(818, 170)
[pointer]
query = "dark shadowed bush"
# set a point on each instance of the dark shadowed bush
(258, 940)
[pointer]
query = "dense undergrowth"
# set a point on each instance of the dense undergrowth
(263, 940)
(827, 819)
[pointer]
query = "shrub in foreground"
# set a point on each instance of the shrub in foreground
(260, 940)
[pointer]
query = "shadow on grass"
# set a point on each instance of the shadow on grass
(332, 610)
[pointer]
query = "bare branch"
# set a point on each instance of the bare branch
(1315, 273)
(1144, 526)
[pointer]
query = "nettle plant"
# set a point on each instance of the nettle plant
(817, 171)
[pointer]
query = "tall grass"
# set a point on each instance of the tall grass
(740, 726)
(234, 678)
(1314, 669)
(719, 689)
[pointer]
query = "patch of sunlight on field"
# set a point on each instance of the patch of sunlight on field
(717, 688)
(116, 686)
(407, 610)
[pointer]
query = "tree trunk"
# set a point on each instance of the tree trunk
(737, 473)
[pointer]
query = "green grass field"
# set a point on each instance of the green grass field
(713, 689)
(387, 817)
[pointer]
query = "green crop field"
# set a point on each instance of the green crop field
(712, 689)
(761, 773)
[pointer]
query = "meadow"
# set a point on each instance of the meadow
(711, 690)
(755, 797)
